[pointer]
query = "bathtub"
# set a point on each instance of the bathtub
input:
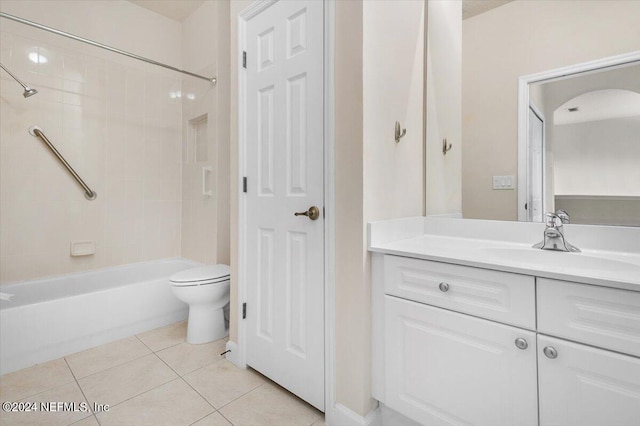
(50, 318)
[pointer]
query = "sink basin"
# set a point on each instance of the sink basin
(562, 260)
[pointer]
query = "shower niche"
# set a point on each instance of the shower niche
(198, 139)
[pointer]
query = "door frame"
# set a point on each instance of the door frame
(329, 194)
(523, 110)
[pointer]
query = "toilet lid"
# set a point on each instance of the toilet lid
(210, 273)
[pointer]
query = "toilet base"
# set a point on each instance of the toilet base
(205, 325)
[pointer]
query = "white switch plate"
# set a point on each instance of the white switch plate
(504, 182)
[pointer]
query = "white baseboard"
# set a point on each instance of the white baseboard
(233, 355)
(340, 415)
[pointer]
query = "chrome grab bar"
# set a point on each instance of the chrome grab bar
(89, 194)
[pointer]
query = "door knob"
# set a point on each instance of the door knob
(521, 343)
(444, 287)
(313, 213)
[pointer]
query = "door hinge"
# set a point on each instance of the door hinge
(244, 310)
(244, 184)
(244, 59)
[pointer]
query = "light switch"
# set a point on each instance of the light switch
(504, 182)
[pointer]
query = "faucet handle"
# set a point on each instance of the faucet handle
(553, 220)
(564, 216)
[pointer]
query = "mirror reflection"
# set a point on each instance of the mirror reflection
(581, 130)
(584, 147)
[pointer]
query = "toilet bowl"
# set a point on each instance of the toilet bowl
(206, 290)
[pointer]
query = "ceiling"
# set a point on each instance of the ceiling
(177, 10)
(475, 7)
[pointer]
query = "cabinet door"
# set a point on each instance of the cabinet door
(586, 386)
(446, 368)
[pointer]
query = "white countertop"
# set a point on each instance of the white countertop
(499, 246)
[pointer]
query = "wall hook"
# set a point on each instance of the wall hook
(399, 133)
(445, 148)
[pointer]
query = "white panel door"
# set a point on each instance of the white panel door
(446, 368)
(585, 386)
(284, 170)
(535, 168)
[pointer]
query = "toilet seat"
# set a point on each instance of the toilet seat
(204, 275)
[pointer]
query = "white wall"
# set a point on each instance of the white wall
(521, 38)
(205, 219)
(598, 158)
(443, 185)
(112, 117)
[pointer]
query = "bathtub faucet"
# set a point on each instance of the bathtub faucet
(554, 238)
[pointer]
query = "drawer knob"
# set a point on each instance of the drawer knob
(521, 343)
(444, 287)
(550, 352)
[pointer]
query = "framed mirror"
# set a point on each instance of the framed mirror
(503, 81)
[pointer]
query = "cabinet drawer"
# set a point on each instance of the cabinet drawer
(599, 316)
(500, 296)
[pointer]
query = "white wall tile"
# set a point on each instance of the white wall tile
(119, 128)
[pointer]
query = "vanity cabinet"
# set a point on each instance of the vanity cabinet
(586, 386)
(448, 368)
(463, 345)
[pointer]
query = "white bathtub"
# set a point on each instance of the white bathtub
(50, 318)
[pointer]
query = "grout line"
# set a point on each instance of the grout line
(140, 393)
(224, 417)
(112, 367)
(82, 392)
(189, 384)
(244, 394)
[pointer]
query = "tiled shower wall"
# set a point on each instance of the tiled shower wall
(118, 122)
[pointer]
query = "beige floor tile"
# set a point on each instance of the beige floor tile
(91, 361)
(214, 419)
(89, 421)
(124, 381)
(56, 415)
(173, 404)
(33, 380)
(320, 422)
(185, 358)
(222, 382)
(162, 338)
(270, 405)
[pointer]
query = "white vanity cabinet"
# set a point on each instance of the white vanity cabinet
(457, 344)
(447, 368)
(586, 386)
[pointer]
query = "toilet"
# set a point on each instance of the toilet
(206, 290)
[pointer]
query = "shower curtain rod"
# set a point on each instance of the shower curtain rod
(212, 80)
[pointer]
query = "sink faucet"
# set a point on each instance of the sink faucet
(554, 233)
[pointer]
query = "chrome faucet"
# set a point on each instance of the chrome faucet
(554, 233)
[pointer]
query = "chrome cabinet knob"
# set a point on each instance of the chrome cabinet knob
(444, 287)
(521, 343)
(550, 352)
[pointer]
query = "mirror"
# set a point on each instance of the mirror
(522, 67)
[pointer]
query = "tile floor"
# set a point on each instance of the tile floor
(154, 378)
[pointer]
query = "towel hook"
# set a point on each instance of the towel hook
(445, 148)
(399, 133)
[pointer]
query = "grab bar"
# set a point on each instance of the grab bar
(89, 194)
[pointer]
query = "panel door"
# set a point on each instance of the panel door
(586, 386)
(535, 168)
(284, 169)
(446, 368)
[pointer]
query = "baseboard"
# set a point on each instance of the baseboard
(233, 356)
(340, 415)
